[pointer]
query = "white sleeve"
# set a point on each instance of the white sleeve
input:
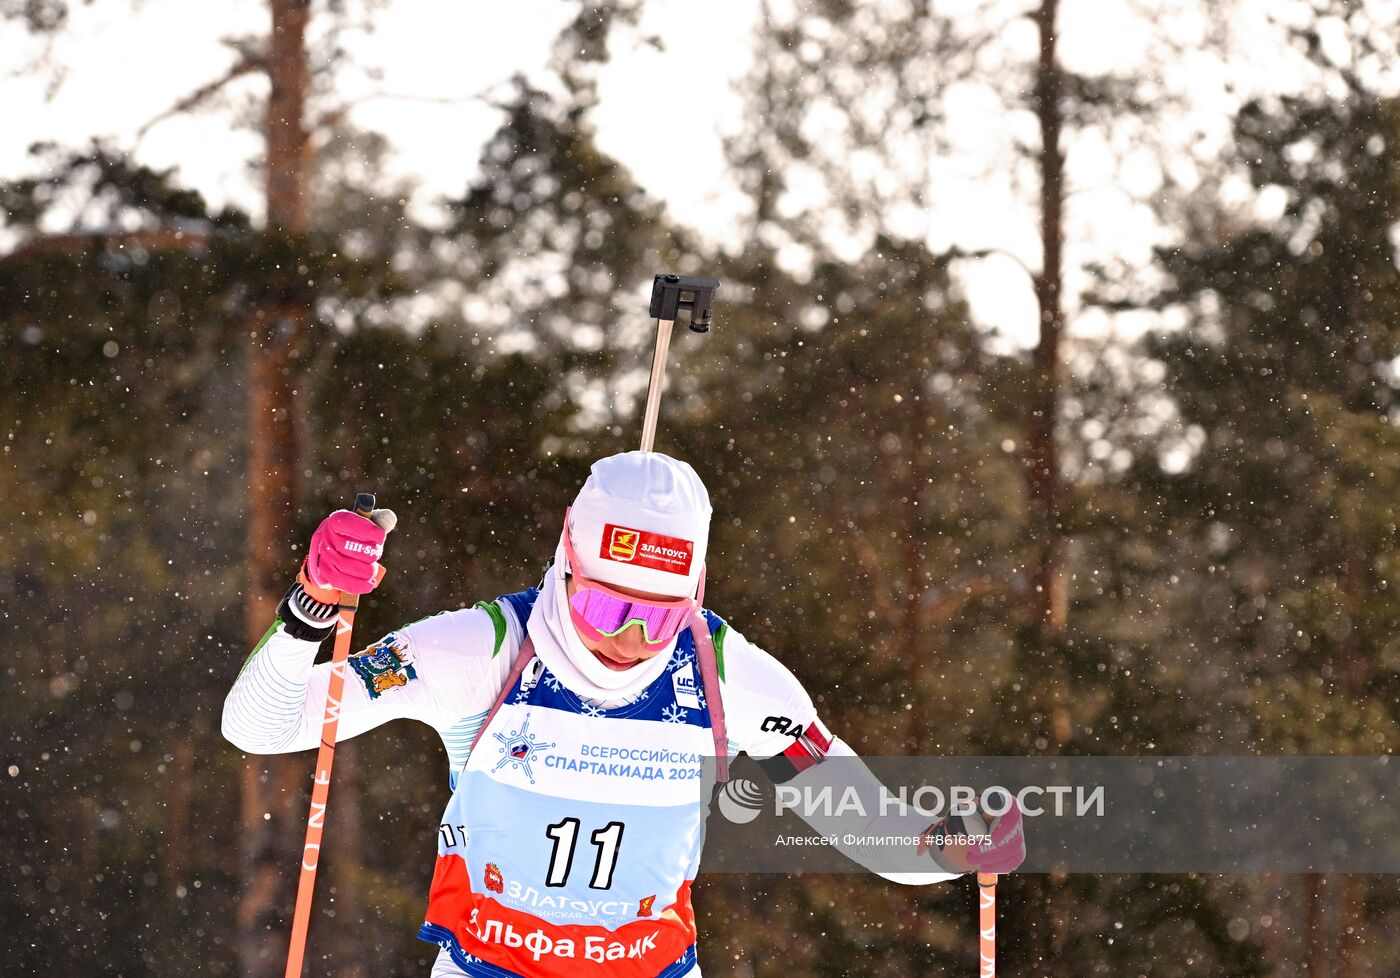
(433, 670)
(769, 715)
(765, 706)
(843, 770)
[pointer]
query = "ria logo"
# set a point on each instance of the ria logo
(623, 544)
(741, 800)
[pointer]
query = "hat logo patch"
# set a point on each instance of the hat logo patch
(622, 544)
(657, 551)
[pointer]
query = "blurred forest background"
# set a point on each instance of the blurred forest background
(1172, 539)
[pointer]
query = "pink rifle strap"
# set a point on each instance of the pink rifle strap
(709, 678)
(527, 652)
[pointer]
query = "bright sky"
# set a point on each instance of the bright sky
(126, 66)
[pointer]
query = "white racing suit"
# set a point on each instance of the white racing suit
(574, 828)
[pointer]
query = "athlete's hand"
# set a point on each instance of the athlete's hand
(1007, 850)
(344, 554)
(977, 842)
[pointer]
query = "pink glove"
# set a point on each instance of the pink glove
(343, 556)
(1007, 850)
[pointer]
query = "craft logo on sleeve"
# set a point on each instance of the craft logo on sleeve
(655, 550)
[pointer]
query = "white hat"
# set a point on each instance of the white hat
(642, 521)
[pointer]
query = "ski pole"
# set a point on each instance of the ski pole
(669, 295)
(325, 757)
(987, 924)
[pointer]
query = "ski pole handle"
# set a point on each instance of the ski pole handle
(325, 757)
(987, 924)
(670, 296)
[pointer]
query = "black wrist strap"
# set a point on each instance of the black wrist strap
(294, 618)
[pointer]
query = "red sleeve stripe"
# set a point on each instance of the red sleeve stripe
(810, 748)
(819, 737)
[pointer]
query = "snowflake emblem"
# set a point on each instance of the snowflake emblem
(552, 682)
(518, 749)
(675, 713)
(589, 710)
(682, 660)
(521, 696)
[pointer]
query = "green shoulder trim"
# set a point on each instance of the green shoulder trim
(276, 624)
(718, 639)
(498, 619)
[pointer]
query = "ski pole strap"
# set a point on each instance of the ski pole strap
(527, 652)
(709, 679)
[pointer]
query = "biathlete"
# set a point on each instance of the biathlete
(576, 717)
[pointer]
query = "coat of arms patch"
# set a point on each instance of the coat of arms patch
(385, 665)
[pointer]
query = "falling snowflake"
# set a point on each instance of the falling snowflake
(675, 713)
(589, 710)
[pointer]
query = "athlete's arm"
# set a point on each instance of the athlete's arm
(428, 671)
(433, 670)
(770, 716)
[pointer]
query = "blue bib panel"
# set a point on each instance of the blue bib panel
(574, 832)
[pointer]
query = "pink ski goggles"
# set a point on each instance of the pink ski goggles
(599, 611)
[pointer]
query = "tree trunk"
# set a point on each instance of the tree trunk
(287, 169)
(1050, 605)
(273, 786)
(915, 643)
(1042, 455)
(1350, 920)
(1354, 679)
(179, 807)
(1314, 943)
